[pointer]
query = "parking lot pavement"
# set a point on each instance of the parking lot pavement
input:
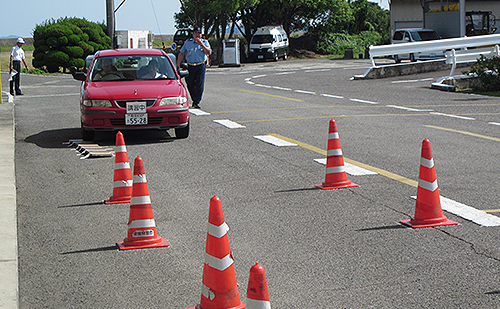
(8, 221)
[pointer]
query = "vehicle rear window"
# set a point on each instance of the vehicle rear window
(426, 35)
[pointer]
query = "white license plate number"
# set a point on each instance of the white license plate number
(136, 119)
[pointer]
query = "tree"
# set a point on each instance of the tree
(67, 42)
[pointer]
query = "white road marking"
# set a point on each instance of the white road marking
(412, 80)
(281, 88)
(198, 112)
(229, 124)
(350, 168)
(274, 140)
(467, 212)
(331, 96)
(410, 109)
(304, 91)
(494, 123)
(363, 101)
(452, 116)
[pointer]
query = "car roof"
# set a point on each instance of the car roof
(129, 51)
(415, 29)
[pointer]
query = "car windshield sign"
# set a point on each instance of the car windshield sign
(131, 67)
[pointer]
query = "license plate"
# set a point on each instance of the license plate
(260, 56)
(136, 119)
(136, 107)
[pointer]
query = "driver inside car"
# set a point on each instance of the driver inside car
(108, 71)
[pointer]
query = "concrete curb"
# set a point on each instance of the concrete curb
(9, 291)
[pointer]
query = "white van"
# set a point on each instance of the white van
(269, 42)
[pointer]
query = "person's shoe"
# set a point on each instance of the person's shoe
(19, 93)
(197, 106)
(12, 93)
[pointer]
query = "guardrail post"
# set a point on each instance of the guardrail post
(497, 51)
(454, 63)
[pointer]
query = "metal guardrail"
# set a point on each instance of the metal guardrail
(444, 44)
(463, 56)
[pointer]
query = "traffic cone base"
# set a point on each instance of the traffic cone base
(342, 185)
(414, 223)
(117, 200)
(138, 244)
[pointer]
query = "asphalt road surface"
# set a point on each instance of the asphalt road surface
(320, 248)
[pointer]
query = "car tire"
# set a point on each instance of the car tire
(285, 56)
(396, 59)
(412, 58)
(87, 135)
(276, 58)
(182, 132)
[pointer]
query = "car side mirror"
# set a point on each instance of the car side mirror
(184, 66)
(77, 75)
(183, 74)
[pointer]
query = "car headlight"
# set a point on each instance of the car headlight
(173, 101)
(97, 103)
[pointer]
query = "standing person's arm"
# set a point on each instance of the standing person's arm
(24, 61)
(180, 57)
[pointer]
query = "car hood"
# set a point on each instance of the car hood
(125, 90)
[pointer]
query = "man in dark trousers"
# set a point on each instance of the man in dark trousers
(195, 51)
(16, 56)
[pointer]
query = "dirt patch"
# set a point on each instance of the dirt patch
(304, 46)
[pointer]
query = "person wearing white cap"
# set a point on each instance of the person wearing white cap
(16, 56)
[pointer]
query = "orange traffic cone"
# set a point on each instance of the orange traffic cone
(336, 177)
(122, 178)
(257, 294)
(141, 224)
(219, 289)
(428, 210)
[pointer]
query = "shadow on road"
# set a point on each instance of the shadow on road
(58, 138)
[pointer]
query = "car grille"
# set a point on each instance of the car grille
(121, 121)
(123, 103)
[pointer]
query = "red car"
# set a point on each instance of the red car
(133, 89)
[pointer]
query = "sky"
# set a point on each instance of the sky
(154, 15)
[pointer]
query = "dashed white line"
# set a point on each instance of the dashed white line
(467, 212)
(281, 88)
(494, 123)
(198, 112)
(318, 70)
(229, 124)
(331, 96)
(257, 76)
(306, 92)
(274, 140)
(350, 168)
(410, 109)
(363, 101)
(452, 116)
(283, 73)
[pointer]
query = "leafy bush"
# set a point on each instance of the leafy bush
(488, 71)
(337, 43)
(67, 42)
(33, 71)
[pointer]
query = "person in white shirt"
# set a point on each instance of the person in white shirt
(152, 71)
(16, 56)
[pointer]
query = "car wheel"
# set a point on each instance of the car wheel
(182, 132)
(412, 58)
(87, 135)
(276, 58)
(396, 59)
(284, 56)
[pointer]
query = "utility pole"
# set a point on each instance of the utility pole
(110, 19)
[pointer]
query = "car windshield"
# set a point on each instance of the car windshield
(131, 67)
(260, 39)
